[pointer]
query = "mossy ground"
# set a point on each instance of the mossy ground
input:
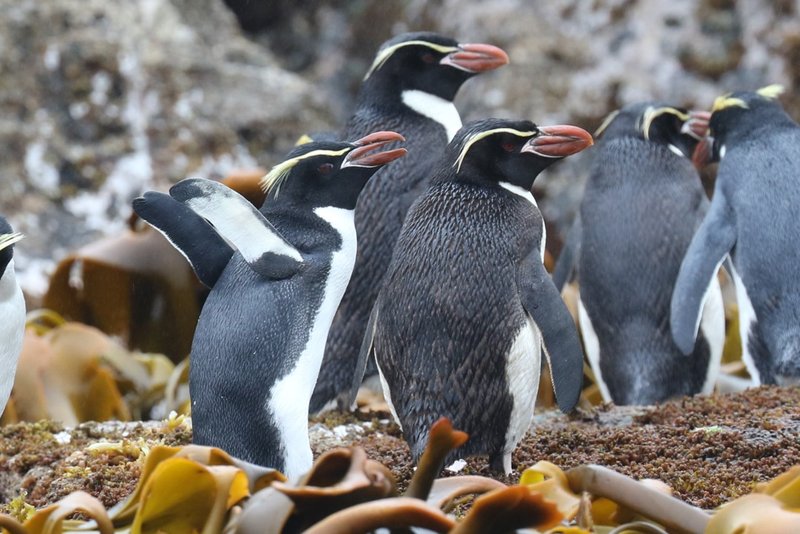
(708, 449)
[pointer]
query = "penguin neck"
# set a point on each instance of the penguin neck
(438, 109)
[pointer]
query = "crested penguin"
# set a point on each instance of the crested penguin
(752, 221)
(411, 86)
(261, 334)
(12, 312)
(467, 306)
(642, 204)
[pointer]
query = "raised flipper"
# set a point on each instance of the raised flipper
(189, 233)
(238, 221)
(709, 247)
(542, 301)
(363, 357)
(568, 259)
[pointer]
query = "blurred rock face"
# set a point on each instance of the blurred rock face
(101, 100)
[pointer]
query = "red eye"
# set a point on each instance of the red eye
(509, 147)
(428, 58)
(325, 168)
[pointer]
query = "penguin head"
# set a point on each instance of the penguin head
(7, 239)
(676, 128)
(737, 115)
(326, 173)
(427, 62)
(511, 151)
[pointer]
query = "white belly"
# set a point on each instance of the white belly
(592, 346)
(522, 376)
(12, 330)
(290, 396)
(747, 321)
(712, 325)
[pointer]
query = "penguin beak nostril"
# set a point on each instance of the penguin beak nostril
(697, 125)
(476, 58)
(364, 154)
(559, 141)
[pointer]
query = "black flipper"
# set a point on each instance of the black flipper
(238, 221)
(568, 259)
(560, 342)
(709, 248)
(198, 241)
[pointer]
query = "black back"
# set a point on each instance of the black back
(641, 206)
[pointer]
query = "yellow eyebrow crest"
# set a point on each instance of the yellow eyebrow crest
(6, 240)
(606, 123)
(384, 54)
(278, 174)
(482, 135)
(727, 101)
(651, 113)
(771, 91)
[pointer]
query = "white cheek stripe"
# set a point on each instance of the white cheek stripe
(440, 110)
(290, 396)
(676, 150)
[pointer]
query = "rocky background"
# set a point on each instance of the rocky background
(100, 100)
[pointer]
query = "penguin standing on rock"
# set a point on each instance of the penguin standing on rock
(410, 88)
(12, 312)
(466, 306)
(642, 204)
(261, 334)
(752, 219)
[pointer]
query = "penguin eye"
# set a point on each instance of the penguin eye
(508, 146)
(428, 58)
(325, 168)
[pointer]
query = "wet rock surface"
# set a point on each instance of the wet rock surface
(708, 449)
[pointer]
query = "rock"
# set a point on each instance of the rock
(104, 100)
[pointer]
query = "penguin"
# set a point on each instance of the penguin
(410, 86)
(262, 330)
(642, 204)
(752, 222)
(12, 312)
(467, 306)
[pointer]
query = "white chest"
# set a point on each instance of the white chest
(442, 111)
(290, 396)
(12, 330)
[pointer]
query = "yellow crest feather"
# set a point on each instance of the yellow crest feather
(384, 54)
(605, 124)
(482, 135)
(278, 174)
(771, 91)
(651, 113)
(6, 240)
(727, 101)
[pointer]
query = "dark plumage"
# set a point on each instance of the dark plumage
(454, 320)
(642, 204)
(410, 88)
(753, 219)
(260, 336)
